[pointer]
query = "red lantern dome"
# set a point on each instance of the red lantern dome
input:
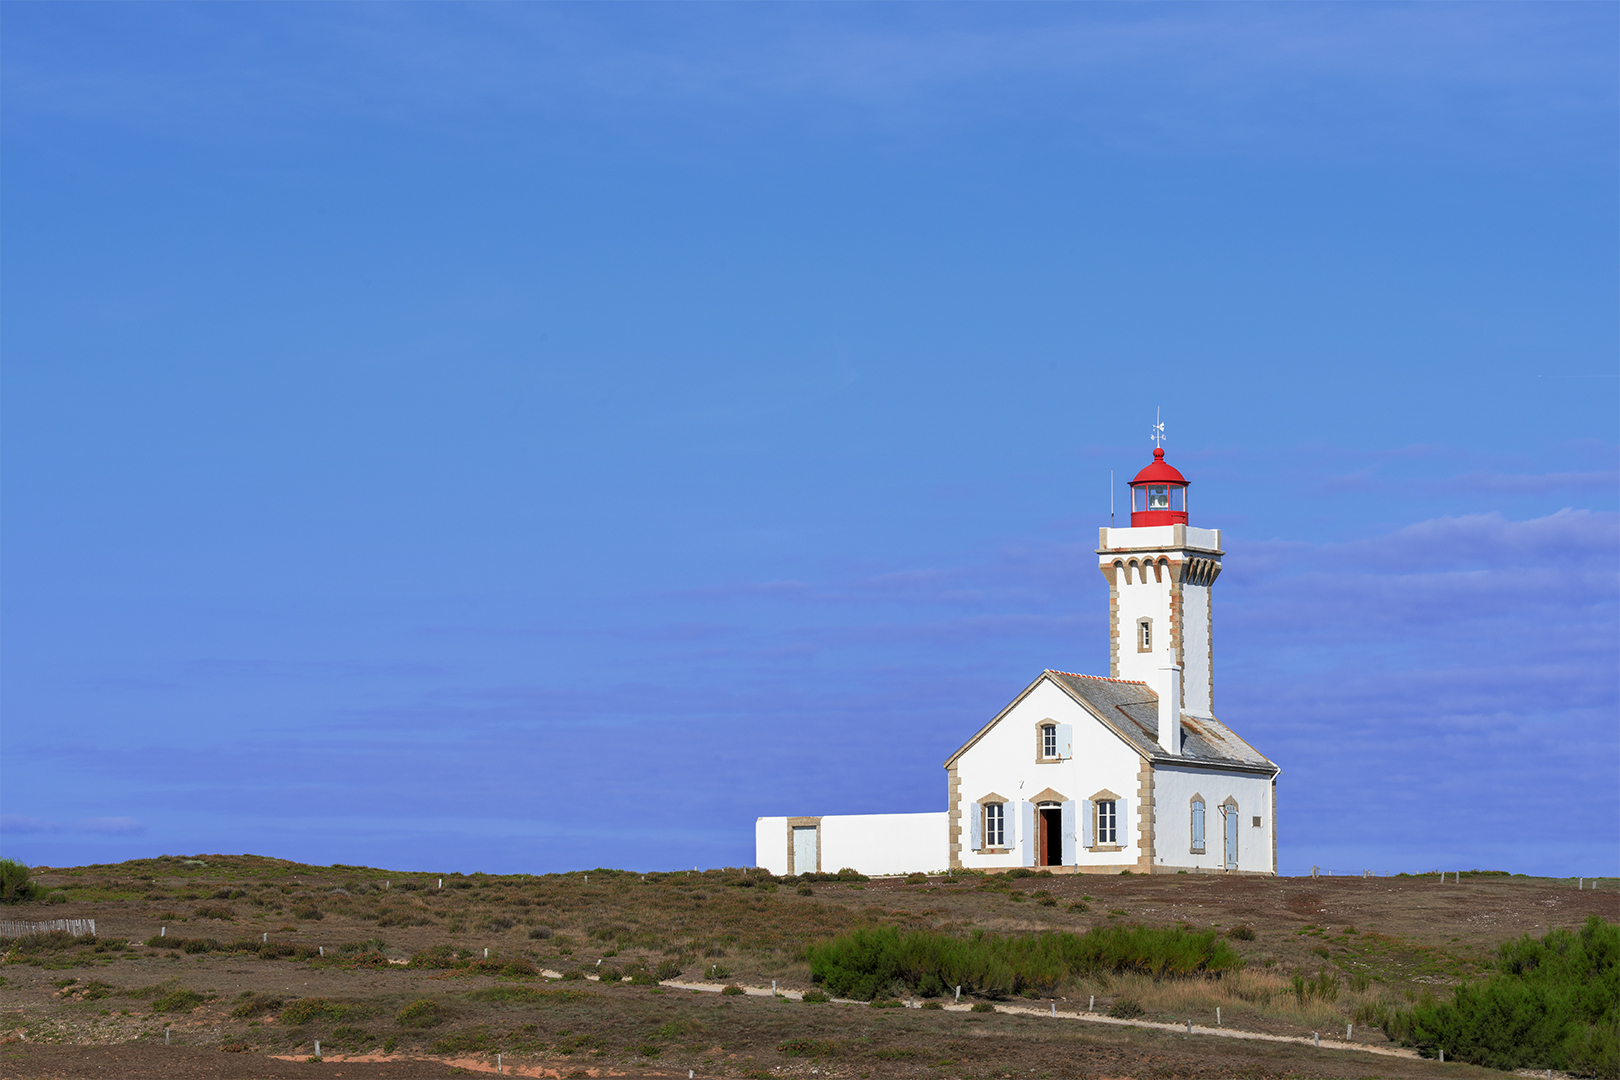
(1158, 494)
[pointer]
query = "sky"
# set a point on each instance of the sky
(529, 437)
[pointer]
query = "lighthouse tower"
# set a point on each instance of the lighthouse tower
(1160, 572)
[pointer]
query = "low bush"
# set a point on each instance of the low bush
(215, 911)
(177, 1001)
(815, 997)
(305, 1010)
(308, 912)
(917, 879)
(440, 957)
(887, 1003)
(982, 1006)
(1553, 1003)
(732, 991)
(868, 962)
(1241, 932)
(1080, 906)
(539, 933)
(805, 890)
(806, 1048)
(667, 969)
(422, 1014)
(1125, 1009)
(1325, 987)
(254, 1005)
(16, 882)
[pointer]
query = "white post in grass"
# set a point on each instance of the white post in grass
(165, 1036)
(266, 938)
(323, 950)
(486, 953)
(317, 1048)
(163, 931)
(1189, 1027)
(1217, 1016)
(1316, 1037)
(1089, 1008)
(1348, 1028)
(773, 984)
(498, 1066)
(958, 993)
(1054, 1009)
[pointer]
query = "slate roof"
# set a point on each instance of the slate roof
(1132, 709)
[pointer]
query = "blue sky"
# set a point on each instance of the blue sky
(528, 437)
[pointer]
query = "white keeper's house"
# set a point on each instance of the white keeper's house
(1085, 774)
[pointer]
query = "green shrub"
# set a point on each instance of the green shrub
(667, 969)
(917, 879)
(982, 1006)
(16, 882)
(309, 912)
(177, 1001)
(1126, 1009)
(1553, 1003)
(717, 971)
(1325, 987)
(932, 1005)
(422, 1014)
(851, 874)
(815, 997)
(305, 1010)
(806, 1048)
(215, 911)
(1080, 906)
(1241, 932)
(805, 890)
(539, 933)
(887, 1003)
(439, 957)
(255, 1006)
(866, 962)
(732, 991)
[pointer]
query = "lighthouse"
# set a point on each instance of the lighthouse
(1160, 573)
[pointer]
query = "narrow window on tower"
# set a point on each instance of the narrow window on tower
(1144, 635)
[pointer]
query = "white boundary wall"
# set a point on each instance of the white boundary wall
(872, 844)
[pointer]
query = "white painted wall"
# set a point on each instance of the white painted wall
(1139, 599)
(873, 844)
(885, 843)
(1174, 787)
(1197, 680)
(771, 844)
(1004, 762)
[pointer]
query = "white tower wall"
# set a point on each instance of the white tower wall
(1163, 574)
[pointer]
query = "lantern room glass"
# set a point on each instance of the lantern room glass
(1171, 497)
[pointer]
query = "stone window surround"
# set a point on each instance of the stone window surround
(1096, 845)
(984, 831)
(1040, 742)
(1144, 623)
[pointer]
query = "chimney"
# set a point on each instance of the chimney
(1170, 709)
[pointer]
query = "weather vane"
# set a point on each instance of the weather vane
(1158, 429)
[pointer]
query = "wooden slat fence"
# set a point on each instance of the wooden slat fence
(76, 927)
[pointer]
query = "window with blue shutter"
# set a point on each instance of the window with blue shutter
(1197, 826)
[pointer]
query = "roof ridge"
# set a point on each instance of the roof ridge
(1099, 678)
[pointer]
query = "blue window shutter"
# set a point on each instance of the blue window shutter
(1026, 832)
(1087, 813)
(1122, 824)
(975, 824)
(1070, 855)
(1198, 826)
(1065, 741)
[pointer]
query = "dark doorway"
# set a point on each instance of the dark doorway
(1051, 853)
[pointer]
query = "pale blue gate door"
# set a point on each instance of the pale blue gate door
(1231, 837)
(804, 849)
